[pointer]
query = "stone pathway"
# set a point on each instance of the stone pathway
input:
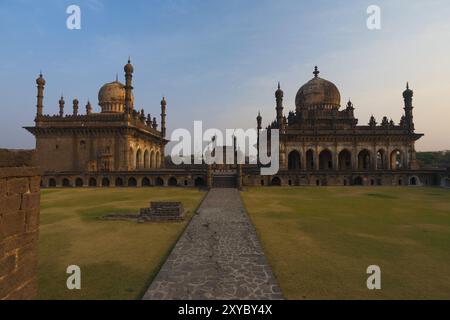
(217, 257)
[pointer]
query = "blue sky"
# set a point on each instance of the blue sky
(220, 61)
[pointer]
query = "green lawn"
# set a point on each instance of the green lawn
(319, 241)
(118, 259)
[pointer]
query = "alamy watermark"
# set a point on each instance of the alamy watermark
(210, 147)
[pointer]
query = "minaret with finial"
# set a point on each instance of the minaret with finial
(407, 97)
(61, 106)
(75, 107)
(128, 68)
(40, 94)
(88, 108)
(279, 94)
(258, 127)
(163, 117)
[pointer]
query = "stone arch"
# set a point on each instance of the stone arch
(152, 159)
(414, 181)
(276, 181)
(132, 182)
(358, 181)
(52, 182)
(310, 160)
(396, 159)
(145, 182)
(381, 159)
(138, 159)
(345, 160)
(66, 183)
(159, 181)
(364, 160)
(326, 160)
(146, 159)
(294, 160)
(199, 182)
(172, 182)
(78, 182)
(105, 182)
(92, 182)
(119, 182)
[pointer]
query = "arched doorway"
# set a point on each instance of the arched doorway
(275, 181)
(145, 182)
(132, 182)
(310, 159)
(414, 181)
(364, 160)
(172, 181)
(152, 159)
(105, 182)
(159, 181)
(396, 160)
(381, 159)
(146, 159)
(119, 182)
(199, 182)
(294, 160)
(325, 160)
(345, 160)
(78, 182)
(139, 159)
(52, 183)
(92, 182)
(66, 183)
(358, 181)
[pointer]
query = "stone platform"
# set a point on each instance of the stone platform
(217, 257)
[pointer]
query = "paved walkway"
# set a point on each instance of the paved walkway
(217, 257)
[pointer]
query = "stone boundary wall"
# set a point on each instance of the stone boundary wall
(19, 224)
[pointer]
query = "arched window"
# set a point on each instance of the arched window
(294, 160)
(146, 160)
(345, 160)
(152, 159)
(139, 159)
(381, 159)
(364, 160)
(92, 182)
(66, 183)
(325, 160)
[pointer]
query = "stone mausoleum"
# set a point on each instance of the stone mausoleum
(321, 143)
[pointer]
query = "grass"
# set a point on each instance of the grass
(319, 241)
(118, 259)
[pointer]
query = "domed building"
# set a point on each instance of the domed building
(321, 142)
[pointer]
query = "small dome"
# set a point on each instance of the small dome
(111, 97)
(128, 68)
(40, 81)
(408, 93)
(318, 93)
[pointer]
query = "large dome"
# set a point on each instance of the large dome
(111, 97)
(318, 93)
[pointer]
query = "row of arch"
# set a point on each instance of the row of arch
(144, 159)
(326, 160)
(356, 181)
(124, 182)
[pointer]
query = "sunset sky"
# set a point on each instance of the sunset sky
(220, 61)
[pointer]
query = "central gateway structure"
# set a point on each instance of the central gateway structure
(321, 143)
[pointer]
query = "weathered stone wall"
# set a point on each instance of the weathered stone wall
(19, 224)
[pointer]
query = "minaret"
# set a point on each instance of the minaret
(279, 98)
(163, 117)
(61, 106)
(407, 97)
(75, 107)
(88, 108)
(128, 86)
(258, 129)
(40, 94)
